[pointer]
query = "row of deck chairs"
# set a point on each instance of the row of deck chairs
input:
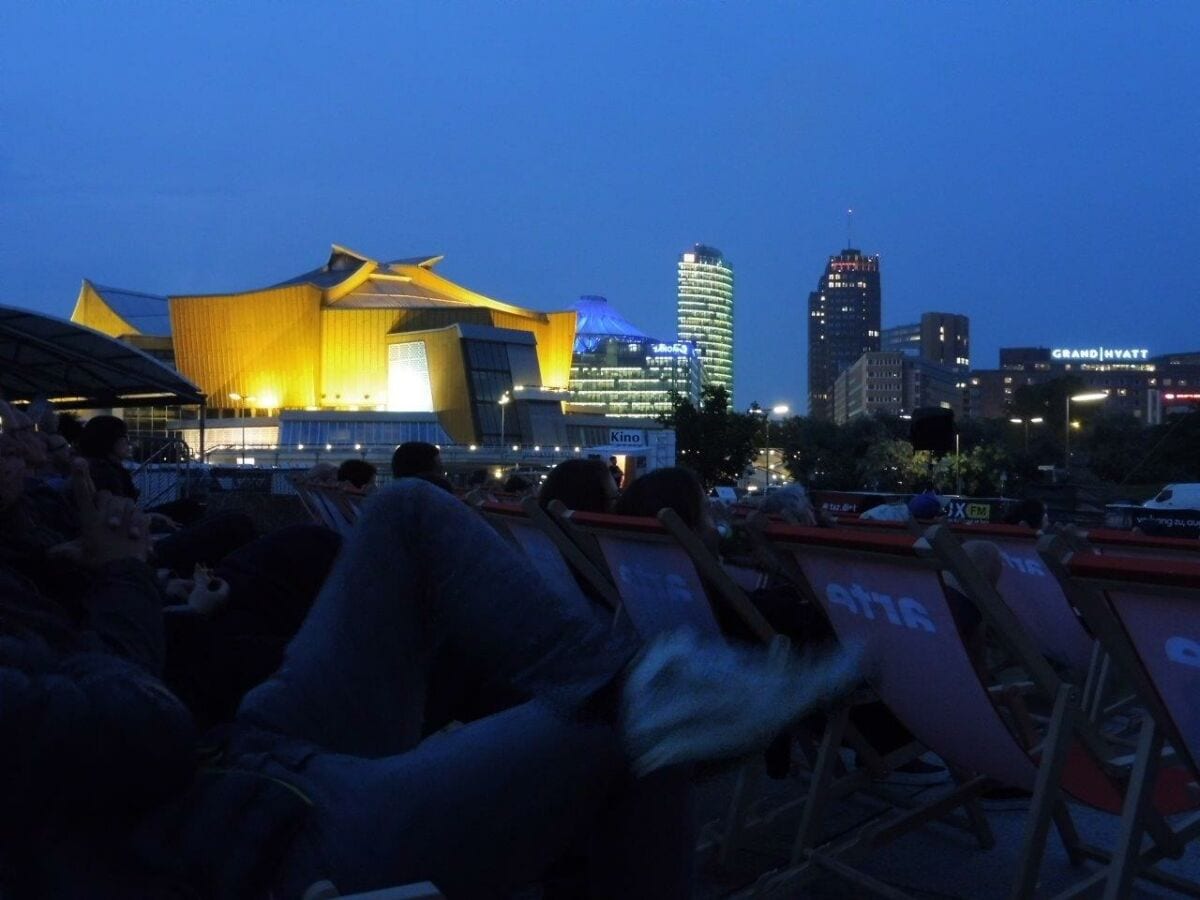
(1082, 616)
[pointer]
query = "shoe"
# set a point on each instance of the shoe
(1002, 798)
(685, 701)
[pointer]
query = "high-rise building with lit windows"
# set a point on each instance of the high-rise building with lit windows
(843, 324)
(705, 311)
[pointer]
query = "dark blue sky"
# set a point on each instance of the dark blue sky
(1033, 165)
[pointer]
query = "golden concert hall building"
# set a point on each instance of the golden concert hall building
(357, 351)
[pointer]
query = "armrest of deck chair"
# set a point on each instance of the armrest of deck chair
(553, 526)
(424, 890)
(713, 572)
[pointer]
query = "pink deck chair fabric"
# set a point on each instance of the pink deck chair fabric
(659, 588)
(537, 546)
(1034, 594)
(1163, 628)
(920, 667)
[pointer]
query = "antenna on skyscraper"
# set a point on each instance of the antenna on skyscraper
(849, 228)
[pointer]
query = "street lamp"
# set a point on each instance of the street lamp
(1036, 420)
(779, 410)
(503, 401)
(1078, 398)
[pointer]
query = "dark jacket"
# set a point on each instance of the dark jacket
(112, 477)
(99, 776)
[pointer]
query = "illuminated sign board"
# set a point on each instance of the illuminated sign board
(626, 438)
(1183, 397)
(1100, 354)
(673, 349)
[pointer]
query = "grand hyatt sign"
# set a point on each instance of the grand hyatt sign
(1100, 354)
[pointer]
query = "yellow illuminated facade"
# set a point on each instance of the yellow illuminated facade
(330, 339)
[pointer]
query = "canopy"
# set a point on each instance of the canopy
(73, 366)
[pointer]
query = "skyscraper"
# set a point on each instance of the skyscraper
(843, 324)
(705, 311)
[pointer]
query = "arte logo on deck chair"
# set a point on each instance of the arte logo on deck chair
(905, 612)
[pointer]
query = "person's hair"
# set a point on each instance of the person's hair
(792, 500)
(584, 485)
(925, 506)
(674, 487)
(358, 472)
(415, 458)
(613, 460)
(517, 484)
(69, 427)
(1028, 512)
(99, 435)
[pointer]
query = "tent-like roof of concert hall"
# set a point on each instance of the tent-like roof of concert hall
(76, 367)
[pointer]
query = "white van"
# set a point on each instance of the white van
(1185, 495)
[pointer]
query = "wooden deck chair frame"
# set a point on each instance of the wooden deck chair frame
(731, 832)
(1066, 727)
(1138, 818)
(500, 515)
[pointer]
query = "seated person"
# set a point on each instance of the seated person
(356, 476)
(418, 459)
(324, 773)
(584, 485)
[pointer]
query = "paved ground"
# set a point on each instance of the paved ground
(937, 861)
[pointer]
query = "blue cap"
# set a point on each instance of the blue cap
(925, 506)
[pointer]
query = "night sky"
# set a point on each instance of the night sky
(1033, 165)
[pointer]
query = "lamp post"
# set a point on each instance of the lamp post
(503, 401)
(779, 410)
(1078, 398)
(1036, 420)
(237, 398)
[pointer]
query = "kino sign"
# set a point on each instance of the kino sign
(1101, 354)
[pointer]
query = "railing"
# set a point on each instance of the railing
(163, 475)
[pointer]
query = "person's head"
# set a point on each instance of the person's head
(584, 485)
(925, 506)
(416, 458)
(517, 484)
(1030, 513)
(358, 473)
(69, 427)
(790, 501)
(612, 460)
(676, 488)
(105, 437)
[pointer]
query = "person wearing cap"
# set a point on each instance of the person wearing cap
(925, 506)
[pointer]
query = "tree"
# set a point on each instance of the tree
(714, 442)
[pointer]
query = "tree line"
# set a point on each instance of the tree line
(995, 455)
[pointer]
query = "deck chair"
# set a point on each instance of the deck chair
(552, 553)
(656, 566)
(334, 508)
(1035, 596)
(1146, 614)
(325, 890)
(888, 593)
(307, 500)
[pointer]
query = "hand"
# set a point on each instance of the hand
(209, 593)
(111, 527)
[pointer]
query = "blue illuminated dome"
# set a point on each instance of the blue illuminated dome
(598, 322)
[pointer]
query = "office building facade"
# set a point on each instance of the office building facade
(617, 370)
(843, 324)
(704, 311)
(895, 383)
